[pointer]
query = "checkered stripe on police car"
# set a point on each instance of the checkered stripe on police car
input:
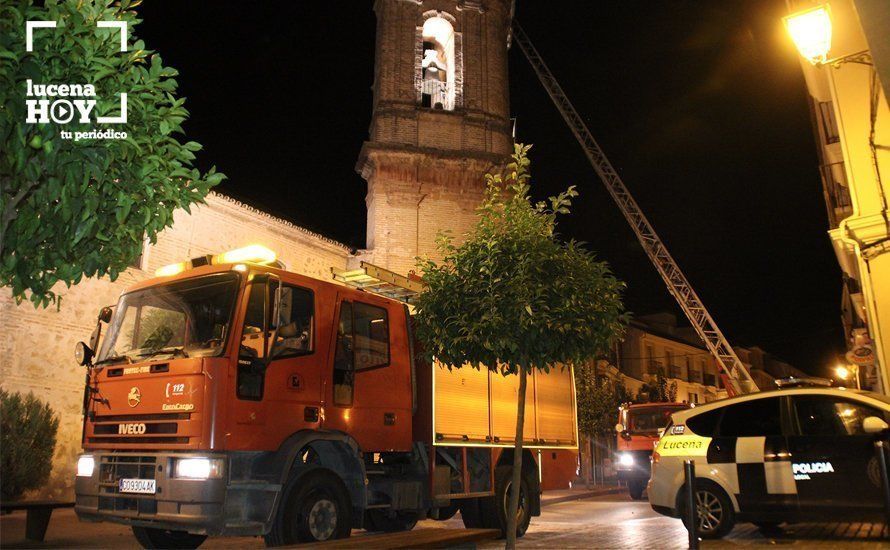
(755, 467)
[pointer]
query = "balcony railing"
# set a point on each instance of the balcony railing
(695, 376)
(675, 372)
(837, 192)
(829, 122)
(710, 380)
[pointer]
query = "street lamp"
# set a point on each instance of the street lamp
(844, 372)
(811, 32)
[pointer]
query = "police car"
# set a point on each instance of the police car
(787, 455)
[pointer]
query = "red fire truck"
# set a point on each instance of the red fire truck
(231, 397)
(639, 427)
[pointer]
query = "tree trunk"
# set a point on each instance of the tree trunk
(516, 482)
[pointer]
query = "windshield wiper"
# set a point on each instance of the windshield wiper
(115, 358)
(170, 350)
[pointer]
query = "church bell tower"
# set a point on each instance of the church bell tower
(440, 122)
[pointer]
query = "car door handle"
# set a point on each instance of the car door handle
(389, 419)
(310, 414)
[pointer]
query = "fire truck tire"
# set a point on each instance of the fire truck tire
(636, 487)
(447, 512)
(494, 510)
(471, 514)
(379, 520)
(315, 508)
(151, 537)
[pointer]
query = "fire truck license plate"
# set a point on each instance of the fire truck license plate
(142, 486)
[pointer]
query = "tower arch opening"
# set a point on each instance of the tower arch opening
(438, 67)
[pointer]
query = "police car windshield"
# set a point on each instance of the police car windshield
(649, 420)
(185, 318)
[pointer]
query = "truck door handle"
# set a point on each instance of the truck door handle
(310, 414)
(389, 419)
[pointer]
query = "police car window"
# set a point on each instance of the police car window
(828, 415)
(752, 418)
(705, 424)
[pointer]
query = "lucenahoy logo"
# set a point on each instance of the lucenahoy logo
(66, 103)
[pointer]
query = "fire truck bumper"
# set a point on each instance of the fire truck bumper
(143, 490)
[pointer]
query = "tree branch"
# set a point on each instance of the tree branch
(10, 211)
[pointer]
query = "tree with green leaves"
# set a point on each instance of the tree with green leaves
(513, 297)
(28, 428)
(598, 400)
(82, 208)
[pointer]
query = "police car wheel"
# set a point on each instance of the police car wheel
(715, 516)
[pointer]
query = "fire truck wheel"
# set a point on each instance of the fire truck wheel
(494, 510)
(379, 520)
(316, 507)
(636, 488)
(471, 514)
(150, 537)
(447, 512)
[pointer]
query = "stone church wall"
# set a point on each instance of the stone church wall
(37, 345)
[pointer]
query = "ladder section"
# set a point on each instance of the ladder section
(677, 284)
(378, 280)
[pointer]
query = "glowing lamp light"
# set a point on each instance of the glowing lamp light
(85, 465)
(842, 372)
(254, 253)
(170, 270)
(811, 32)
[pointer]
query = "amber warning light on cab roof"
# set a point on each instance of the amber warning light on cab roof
(255, 253)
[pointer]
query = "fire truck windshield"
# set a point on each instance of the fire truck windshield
(649, 420)
(186, 318)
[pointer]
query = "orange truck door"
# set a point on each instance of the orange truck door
(370, 385)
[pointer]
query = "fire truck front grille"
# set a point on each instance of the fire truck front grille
(112, 469)
(140, 428)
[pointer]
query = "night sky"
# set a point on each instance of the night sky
(700, 106)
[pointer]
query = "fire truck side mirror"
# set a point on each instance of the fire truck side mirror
(105, 314)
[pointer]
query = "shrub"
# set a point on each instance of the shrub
(28, 429)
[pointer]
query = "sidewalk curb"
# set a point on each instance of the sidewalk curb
(580, 495)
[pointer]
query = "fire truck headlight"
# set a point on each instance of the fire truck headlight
(626, 459)
(199, 468)
(85, 465)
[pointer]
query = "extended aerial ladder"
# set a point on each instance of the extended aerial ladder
(735, 374)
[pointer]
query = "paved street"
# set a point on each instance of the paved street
(611, 521)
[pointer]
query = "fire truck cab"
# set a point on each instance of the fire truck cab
(231, 397)
(639, 427)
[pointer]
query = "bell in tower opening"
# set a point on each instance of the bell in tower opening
(438, 67)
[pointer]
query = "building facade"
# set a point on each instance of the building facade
(654, 345)
(851, 123)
